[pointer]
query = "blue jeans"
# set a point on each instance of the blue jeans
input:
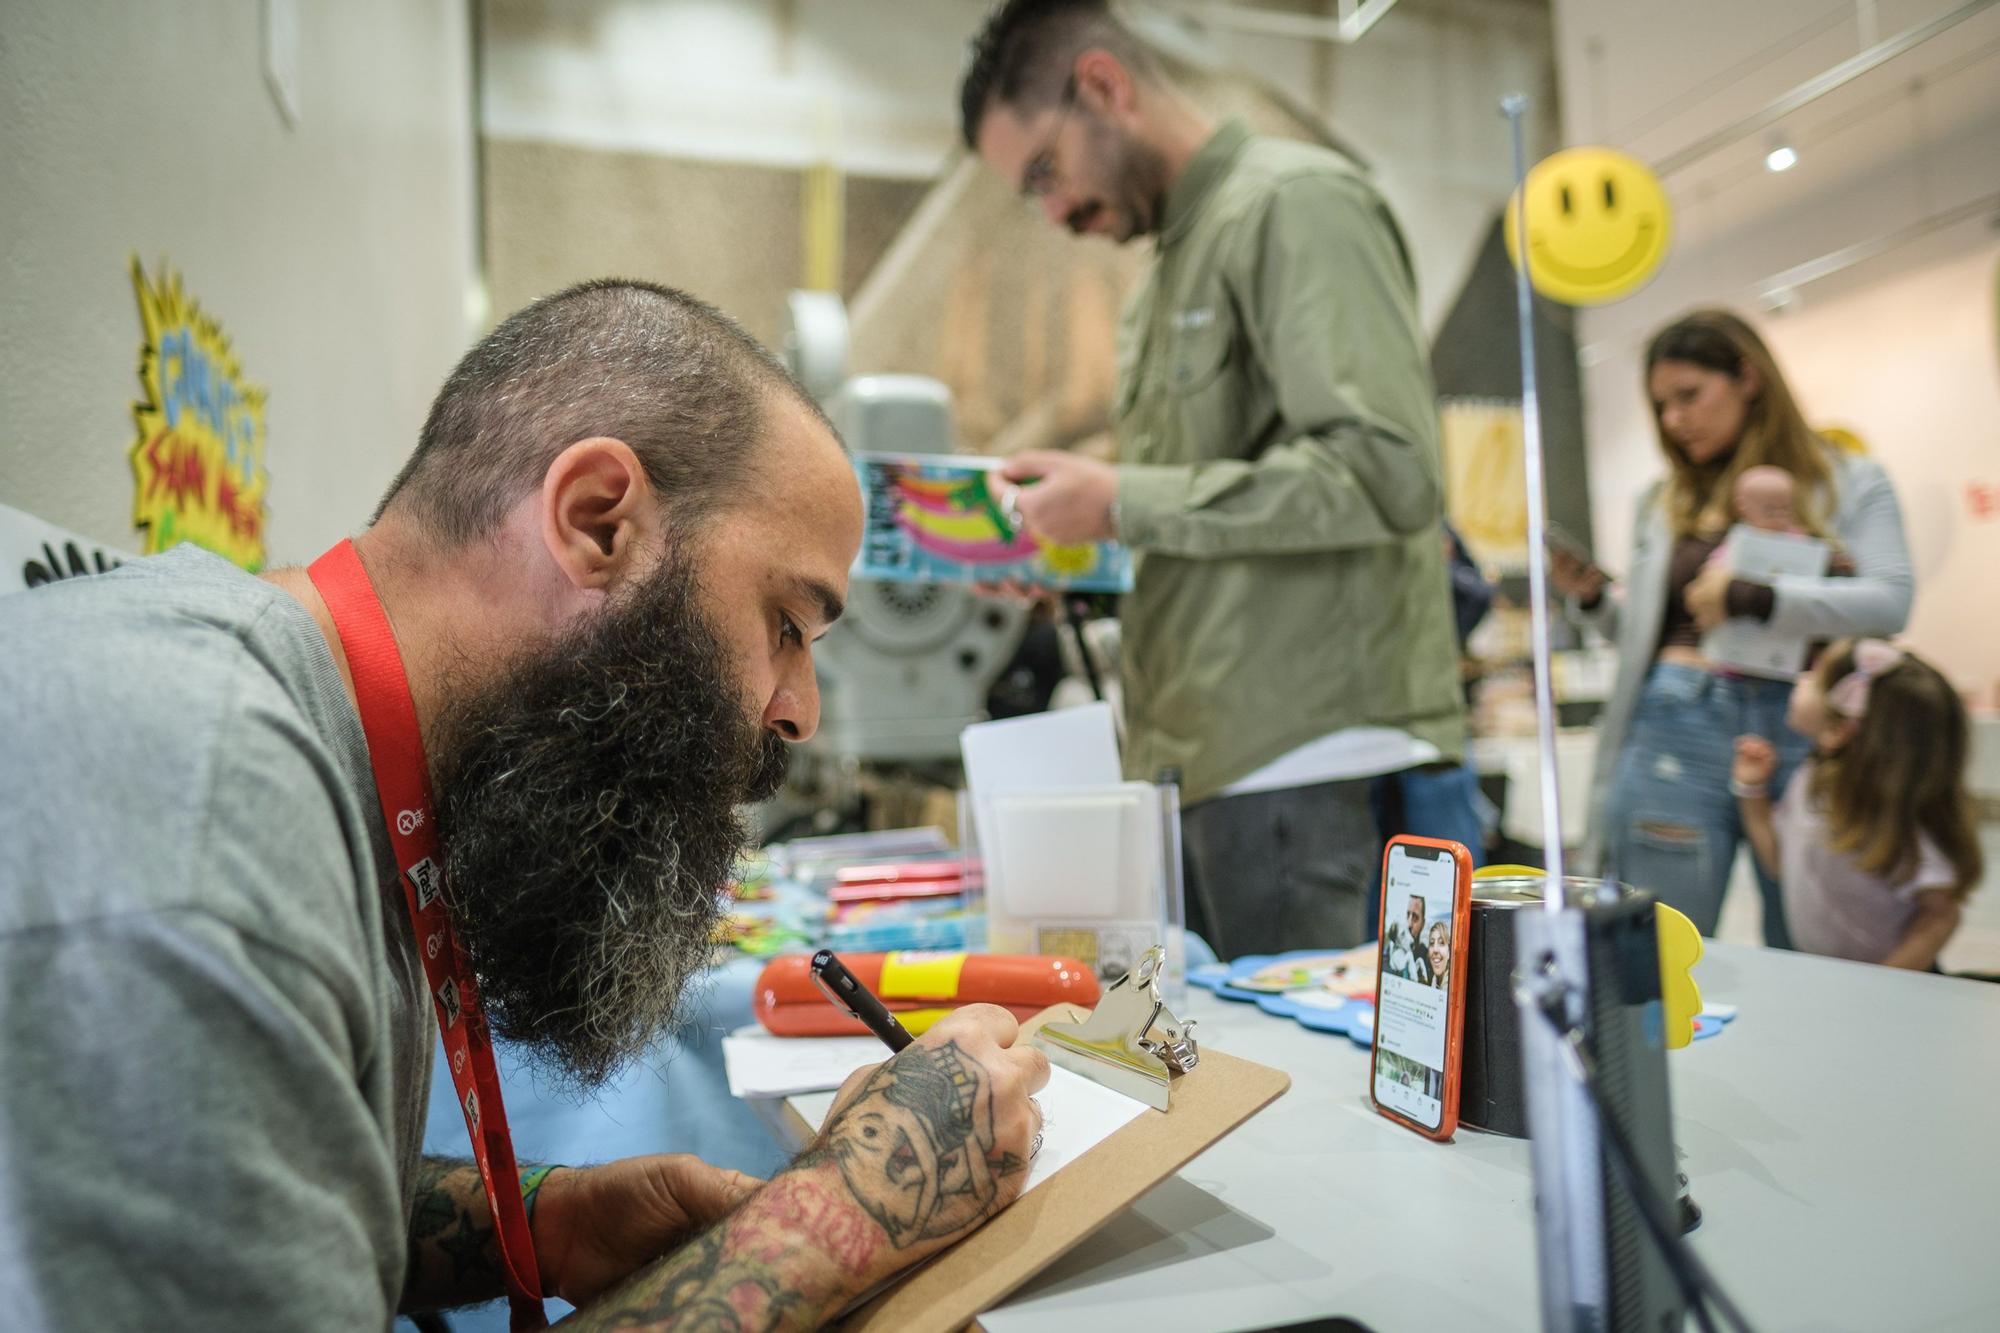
(1671, 826)
(1269, 871)
(1431, 802)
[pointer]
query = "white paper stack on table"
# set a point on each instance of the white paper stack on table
(1075, 860)
(1077, 1113)
(763, 1065)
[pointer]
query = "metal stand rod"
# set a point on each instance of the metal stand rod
(1515, 106)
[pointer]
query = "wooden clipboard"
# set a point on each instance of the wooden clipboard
(950, 1291)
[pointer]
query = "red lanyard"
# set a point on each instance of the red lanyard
(402, 780)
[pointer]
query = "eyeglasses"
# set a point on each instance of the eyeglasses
(1040, 176)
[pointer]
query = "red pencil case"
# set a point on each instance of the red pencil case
(919, 987)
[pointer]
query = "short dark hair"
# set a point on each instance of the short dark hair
(673, 377)
(1024, 55)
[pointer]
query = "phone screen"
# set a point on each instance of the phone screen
(1413, 996)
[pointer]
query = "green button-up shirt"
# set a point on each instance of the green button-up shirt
(1280, 484)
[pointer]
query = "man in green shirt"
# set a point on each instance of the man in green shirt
(1289, 635)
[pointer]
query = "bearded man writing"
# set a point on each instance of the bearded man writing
(483, 767)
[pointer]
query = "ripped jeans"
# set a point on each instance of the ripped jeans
(1670, 824)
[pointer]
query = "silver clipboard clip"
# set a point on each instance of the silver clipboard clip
(1130, 1043)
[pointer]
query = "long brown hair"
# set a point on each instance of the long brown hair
(1901, 774)
(1698, 494)
(1439, 979)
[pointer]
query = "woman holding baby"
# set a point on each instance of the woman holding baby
(1737, 451)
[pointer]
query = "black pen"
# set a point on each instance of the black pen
(847, 993)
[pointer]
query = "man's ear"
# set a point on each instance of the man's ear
(597, 511)
(1104, 85)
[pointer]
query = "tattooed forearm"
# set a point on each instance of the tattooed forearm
(453, 1257)
(909, 1164)
(789, 1258)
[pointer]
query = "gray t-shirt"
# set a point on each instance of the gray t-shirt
(214, 1046)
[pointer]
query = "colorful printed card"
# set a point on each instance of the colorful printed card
(1351, 973)
(935, 518)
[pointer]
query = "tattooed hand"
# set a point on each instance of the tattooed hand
(933, 1142)
(918, 1151)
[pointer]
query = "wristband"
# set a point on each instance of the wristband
(531, 1185)
(1746, 791)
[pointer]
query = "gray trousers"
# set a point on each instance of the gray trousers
(1275, 870)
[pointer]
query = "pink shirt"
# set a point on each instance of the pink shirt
(1833, 906)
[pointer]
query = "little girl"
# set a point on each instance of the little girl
(1874, 842)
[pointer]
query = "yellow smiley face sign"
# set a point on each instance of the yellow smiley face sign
(1598, 225)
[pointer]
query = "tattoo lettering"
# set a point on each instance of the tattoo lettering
(845, 1235)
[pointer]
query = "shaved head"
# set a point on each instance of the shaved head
(677, 380)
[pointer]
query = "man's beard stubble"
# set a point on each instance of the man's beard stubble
(589, 807)
(1135, 184)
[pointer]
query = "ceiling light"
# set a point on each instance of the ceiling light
(1782, 157)
(1779, 300)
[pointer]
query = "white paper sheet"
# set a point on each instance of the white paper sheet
(1071, 747)
(1765, 557)
(763, 1065)
(1079, 1115)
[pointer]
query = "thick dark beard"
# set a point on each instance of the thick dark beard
(589, 803)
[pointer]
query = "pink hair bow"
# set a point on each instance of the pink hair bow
(1872, 658)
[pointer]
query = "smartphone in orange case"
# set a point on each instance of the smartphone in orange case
(1413, 1072)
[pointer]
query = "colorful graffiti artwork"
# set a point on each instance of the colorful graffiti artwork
(198, 458)
(941, 519)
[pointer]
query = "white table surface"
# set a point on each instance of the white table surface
(1838, 1139)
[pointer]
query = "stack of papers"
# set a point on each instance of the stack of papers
(763, 1065)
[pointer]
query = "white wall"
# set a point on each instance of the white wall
(1912, 365)
(1899, 345)
(337, 253)
(871, 83)
(875, 84)
(1419, 95)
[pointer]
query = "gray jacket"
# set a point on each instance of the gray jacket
(1868, 523)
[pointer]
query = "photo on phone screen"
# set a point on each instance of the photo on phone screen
(1413, 996)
